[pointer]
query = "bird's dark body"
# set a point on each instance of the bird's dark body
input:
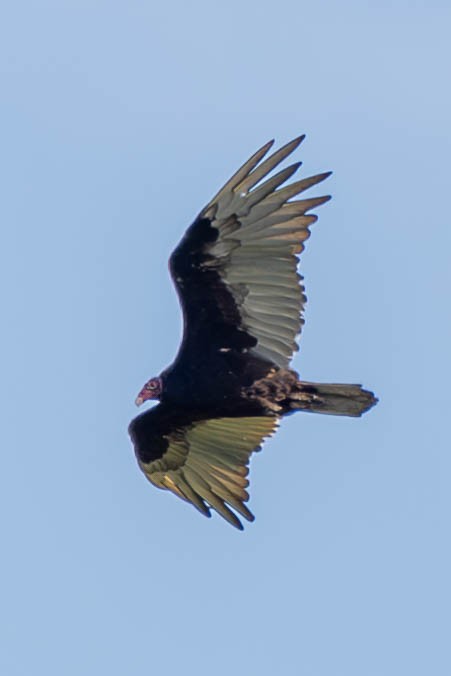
(223, 377)
(235, 272)
(213, 378)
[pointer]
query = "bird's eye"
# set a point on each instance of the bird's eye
(152, 385)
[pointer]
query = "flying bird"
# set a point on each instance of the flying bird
(235, 271)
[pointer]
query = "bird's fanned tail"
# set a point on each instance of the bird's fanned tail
(332, 399)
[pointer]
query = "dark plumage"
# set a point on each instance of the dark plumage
(242, 301)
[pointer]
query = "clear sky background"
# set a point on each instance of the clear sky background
(119, 121)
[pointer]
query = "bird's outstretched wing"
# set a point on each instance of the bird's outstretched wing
(235, 268)
(203, 461)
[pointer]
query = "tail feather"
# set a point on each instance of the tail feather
(331, 398)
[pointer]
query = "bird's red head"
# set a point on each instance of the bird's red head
(151, 390)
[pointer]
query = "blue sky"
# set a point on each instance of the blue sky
(119, 122)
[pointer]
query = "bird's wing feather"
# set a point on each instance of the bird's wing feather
(236, 265)
(203, 461)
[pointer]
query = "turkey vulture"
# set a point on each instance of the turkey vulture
(242, 302)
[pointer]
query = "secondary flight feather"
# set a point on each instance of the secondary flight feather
(235, 271)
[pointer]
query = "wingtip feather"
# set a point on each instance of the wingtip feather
(299, 139)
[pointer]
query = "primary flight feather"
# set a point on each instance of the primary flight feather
(235, 271)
